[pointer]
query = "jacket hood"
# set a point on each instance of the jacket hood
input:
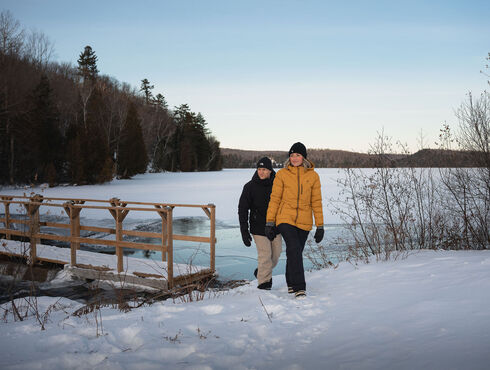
(307, 164)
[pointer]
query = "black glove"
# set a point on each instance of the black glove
(319, 234)
(270, 231)
(246, 237)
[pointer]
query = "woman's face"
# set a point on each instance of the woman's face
(296, 159)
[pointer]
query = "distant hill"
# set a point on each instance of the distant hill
(439, 158)
(237, 158)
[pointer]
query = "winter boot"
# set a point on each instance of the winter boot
(300, 294)
(267, 285)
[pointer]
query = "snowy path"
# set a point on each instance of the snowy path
(429, 311)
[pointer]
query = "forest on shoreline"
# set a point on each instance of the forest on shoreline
(61, 123)
(328, 158)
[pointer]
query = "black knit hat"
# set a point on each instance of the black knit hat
(298, 148)
(264, 163)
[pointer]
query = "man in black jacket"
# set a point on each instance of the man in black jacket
(255, 198)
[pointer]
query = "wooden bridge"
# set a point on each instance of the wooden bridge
(32, 230)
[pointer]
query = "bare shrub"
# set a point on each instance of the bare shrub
(393, 210)
(94, 308)
(192, 287)
(389, 210)
(24, 308)
(320, 256)
(467, 190)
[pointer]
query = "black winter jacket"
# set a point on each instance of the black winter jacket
(255, 197)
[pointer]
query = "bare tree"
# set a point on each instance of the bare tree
(467, 190)
(11, 34)
(389, 211)
(38, 49)
(11, 43)
(474, 128)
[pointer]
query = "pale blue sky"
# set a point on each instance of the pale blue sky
(268, 73)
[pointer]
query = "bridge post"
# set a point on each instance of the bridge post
(163, 215)
(119, 215)
(6, 204)
(170, 248)
(74, 215)
(32, 209)
(212, 236)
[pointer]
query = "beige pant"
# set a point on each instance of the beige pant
(268, 253)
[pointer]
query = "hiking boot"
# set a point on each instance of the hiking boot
(300, 294)
(290, 290)
(267, 285)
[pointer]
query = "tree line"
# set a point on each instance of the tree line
(65, 123)
(328, 158)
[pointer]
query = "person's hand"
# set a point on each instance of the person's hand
(319, 234)
(270, 231)
(246, 237)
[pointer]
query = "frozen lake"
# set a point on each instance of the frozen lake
(223, 188)
(233, 259)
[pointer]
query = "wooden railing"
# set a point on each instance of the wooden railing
(119, 210)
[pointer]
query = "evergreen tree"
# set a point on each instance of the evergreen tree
(87, 64)
(199, 120)
(215, 162)
(146, 88)
(160, 102)
(195, 151)
(4, 143)
(94, 145)
(25, 152)
(201, 146)
(74, 154)
(183, 114)
(131, 157)
(36, 135)
(87, 69)
(48, 141)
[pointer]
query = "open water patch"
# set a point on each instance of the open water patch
(233, 260)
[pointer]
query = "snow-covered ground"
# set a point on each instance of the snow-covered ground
(428, 311)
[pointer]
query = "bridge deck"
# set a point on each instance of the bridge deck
(93, 265)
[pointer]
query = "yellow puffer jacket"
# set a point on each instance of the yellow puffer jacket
(296, 194)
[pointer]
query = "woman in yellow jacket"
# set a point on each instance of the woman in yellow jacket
(296, 196)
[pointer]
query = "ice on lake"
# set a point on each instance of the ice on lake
(222, 188)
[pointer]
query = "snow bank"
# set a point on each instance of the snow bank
(130, 264)
(428, 311)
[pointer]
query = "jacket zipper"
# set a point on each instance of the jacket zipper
(297, 201)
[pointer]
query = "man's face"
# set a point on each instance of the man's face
(263, 173)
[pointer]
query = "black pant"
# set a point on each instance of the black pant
(295, 239)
